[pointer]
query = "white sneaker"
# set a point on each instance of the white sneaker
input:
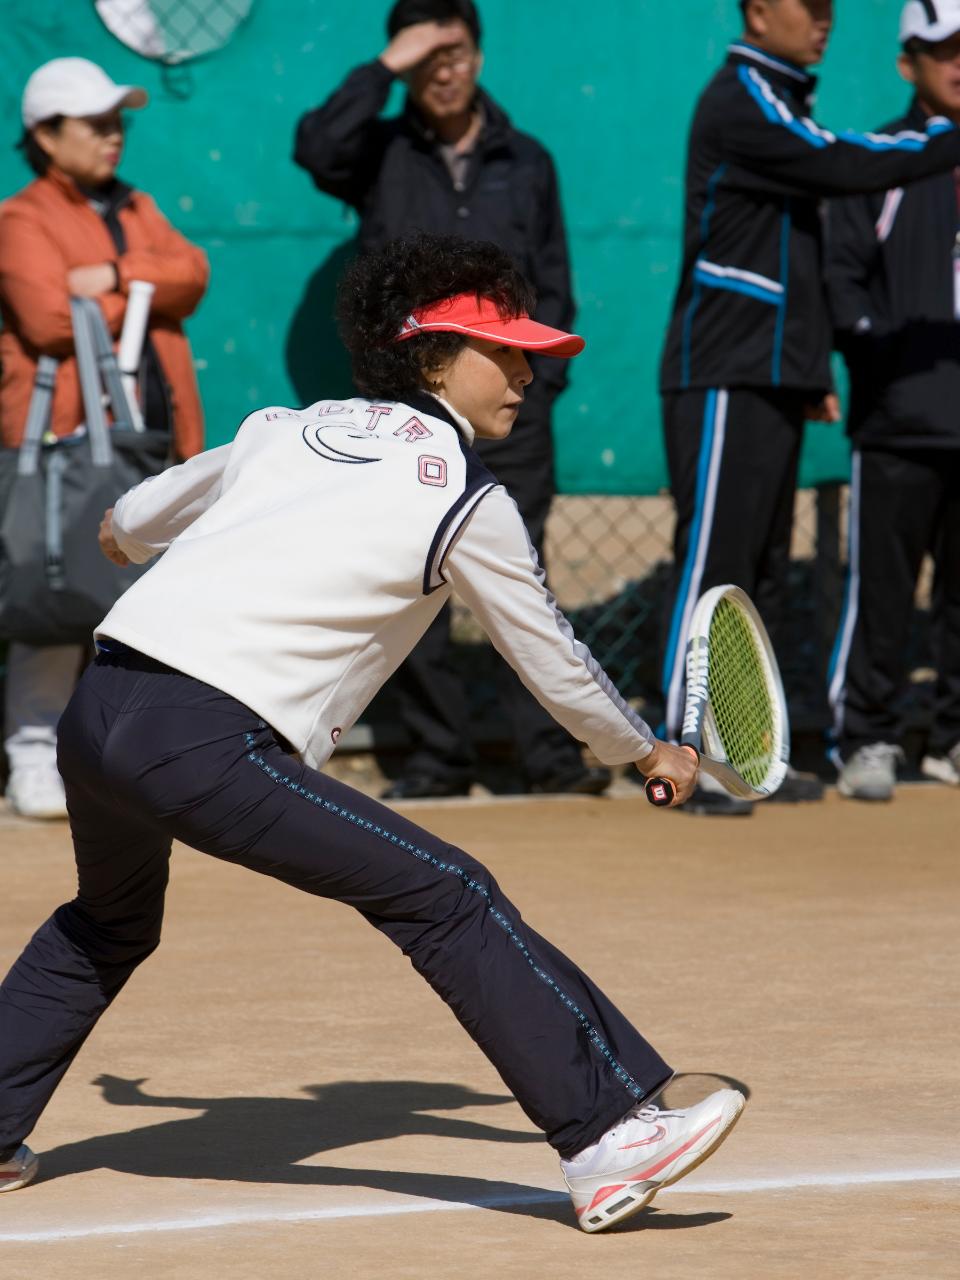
(36, 791)
(871, 772)
(647, 1150)
(20, 1169)
(945, 768)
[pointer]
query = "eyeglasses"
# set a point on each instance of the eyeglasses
(458, 61)
(104, 125)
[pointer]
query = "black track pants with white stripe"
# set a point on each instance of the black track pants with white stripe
(902, 505)
(732, 457)
(148, 756)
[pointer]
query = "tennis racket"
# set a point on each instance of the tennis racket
(735, 716)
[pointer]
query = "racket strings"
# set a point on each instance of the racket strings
(740, 700)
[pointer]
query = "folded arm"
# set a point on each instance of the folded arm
(177, 269)
(34, 286)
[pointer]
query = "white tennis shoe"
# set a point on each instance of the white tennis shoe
(944, 768)
(647, 1150)
(871, 772)
(20, 1169)
(36, 791)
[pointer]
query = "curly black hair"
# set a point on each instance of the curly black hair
(380, 289)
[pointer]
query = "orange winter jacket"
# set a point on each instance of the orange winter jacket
(45, 230)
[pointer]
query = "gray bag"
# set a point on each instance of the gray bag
(55, 583)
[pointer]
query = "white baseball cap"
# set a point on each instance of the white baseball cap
(929, 20)
(74, 87)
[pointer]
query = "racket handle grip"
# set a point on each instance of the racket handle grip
(659, 791)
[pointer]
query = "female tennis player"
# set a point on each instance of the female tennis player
(301, 564)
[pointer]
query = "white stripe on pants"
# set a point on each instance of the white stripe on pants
(848, 621)
(698, 549)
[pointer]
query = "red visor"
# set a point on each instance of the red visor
(477, 318)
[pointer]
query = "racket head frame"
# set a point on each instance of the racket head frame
(699, 725)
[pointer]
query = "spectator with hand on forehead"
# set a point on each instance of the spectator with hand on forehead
(452, 163)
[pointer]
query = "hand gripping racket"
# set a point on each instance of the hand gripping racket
(735, 716)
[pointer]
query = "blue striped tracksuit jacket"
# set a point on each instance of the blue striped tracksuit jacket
(749, 339)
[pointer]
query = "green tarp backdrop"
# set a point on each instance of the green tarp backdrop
(608, 86)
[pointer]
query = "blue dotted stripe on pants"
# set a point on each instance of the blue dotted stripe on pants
(339, 812)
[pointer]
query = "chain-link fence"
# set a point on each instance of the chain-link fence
(173, 31)
(610, 566)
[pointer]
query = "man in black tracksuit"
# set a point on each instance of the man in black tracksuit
(893, 277)
(452, 163)
(747, 351)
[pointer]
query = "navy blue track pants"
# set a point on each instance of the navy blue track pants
(149, 755)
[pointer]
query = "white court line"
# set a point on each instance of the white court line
(267, 1218)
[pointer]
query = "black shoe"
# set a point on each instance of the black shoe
(578, 781)
(798, 788)
(421, 786)
(716, 803)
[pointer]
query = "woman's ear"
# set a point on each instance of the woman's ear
(433, 376)
(45, 138)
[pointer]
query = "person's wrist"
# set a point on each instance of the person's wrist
(650, 764)
(386, 62)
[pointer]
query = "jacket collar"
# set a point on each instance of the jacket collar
(786, 73)
(916, 117)
(436, 407)
(496, 123)
(111, 197)
(54, 180)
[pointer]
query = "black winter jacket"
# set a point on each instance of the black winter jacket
(391, 172)
(751, 309)
(891, 260)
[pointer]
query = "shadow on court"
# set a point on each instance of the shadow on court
(689, 1087)
(262, 1140)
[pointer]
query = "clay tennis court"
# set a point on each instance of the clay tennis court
(277, 1093)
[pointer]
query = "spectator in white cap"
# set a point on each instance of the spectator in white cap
(893, 275)
(77, 230)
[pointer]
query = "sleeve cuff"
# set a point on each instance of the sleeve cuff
(382, 72)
